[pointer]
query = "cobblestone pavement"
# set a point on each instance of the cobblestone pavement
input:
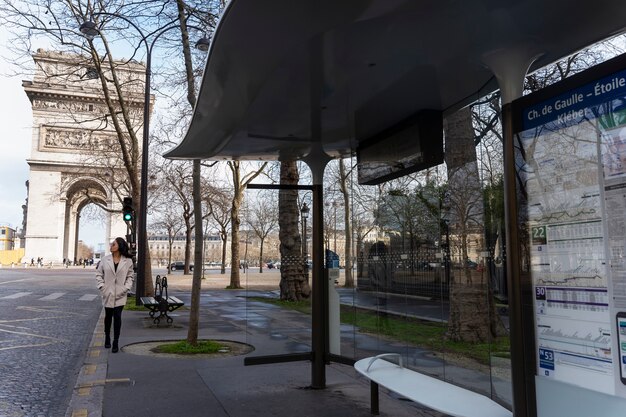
(46, 322)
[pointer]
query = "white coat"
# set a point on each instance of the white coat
(114, 285)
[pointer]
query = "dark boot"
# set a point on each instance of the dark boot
(115, 347)
(107, 341)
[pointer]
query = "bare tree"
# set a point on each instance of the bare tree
(219, 207)
(58, 23)
(170, 220)
(470, 315)
(179, 177)
(344, 188)
(240, 182)
(263, 220)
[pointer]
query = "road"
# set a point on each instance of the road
(46, 323)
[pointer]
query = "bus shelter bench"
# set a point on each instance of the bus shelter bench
(428, 391)
(161, 303)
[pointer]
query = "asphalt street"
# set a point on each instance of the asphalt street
(46, 323)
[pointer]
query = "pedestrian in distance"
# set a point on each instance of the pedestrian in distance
(114, 278)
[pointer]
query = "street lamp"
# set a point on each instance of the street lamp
(304, 212)
(90, 30)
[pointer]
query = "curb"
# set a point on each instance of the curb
(88, 394)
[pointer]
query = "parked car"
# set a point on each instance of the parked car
(179, 266)
(471, 264)
(424, 266)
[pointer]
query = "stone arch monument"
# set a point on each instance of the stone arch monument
(69, 138)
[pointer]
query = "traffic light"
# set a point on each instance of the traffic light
(127, 209)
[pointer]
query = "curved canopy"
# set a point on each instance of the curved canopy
(284, 76)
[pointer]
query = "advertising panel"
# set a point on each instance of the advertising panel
(571, 164)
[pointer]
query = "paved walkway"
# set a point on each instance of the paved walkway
(127, 384)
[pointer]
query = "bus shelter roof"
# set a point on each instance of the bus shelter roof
(285, 77)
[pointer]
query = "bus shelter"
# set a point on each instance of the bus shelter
(316, 80)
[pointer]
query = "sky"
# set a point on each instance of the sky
(15, 144)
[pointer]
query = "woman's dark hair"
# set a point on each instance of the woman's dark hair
(123, 246)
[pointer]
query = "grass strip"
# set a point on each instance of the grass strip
(416, 332)
(130, 304)
(184, 348)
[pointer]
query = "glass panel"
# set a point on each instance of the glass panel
(274, 274)
(413, 270)
(429, 279)
(398, 301)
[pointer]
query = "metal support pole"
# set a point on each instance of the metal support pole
(374, 407)
(522, 331)
(319, 310)
(142, 240)
(304, 247)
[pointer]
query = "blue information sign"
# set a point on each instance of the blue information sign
(570, 108)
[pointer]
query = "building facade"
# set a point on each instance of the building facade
(7, 238)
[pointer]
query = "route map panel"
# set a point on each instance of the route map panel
(571, 166)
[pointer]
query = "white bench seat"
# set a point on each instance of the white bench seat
(428, 391)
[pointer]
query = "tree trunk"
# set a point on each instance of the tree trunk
(187, 246)
(169, 256)
(224, 242)
(469, 305)
(294, 283)
(194, 313)
(235, 222)
(148, 285)
(349, 279)
(261, 257)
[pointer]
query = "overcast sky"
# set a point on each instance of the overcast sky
(15, 143)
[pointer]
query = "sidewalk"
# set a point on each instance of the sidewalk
(128, 384)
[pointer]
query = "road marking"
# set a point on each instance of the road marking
(47, 309)
(31, 334)
(84, 391)
(2, 323)
(88, 297)
(27, 346)
(53, 296)
(80, 413)
(17, 295)
(90, 369)
(16, 280)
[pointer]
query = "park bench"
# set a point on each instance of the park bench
(161, 303)
(428, 391)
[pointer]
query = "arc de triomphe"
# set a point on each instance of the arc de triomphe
(70, 138)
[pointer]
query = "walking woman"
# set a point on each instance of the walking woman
(114, 276)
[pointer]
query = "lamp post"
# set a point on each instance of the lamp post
(304, 212)
(90, 30)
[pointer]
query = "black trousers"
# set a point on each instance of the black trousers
(115, 315)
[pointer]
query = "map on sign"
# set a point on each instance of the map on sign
(564, 210)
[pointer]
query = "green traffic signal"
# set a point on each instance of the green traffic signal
(127, 209)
